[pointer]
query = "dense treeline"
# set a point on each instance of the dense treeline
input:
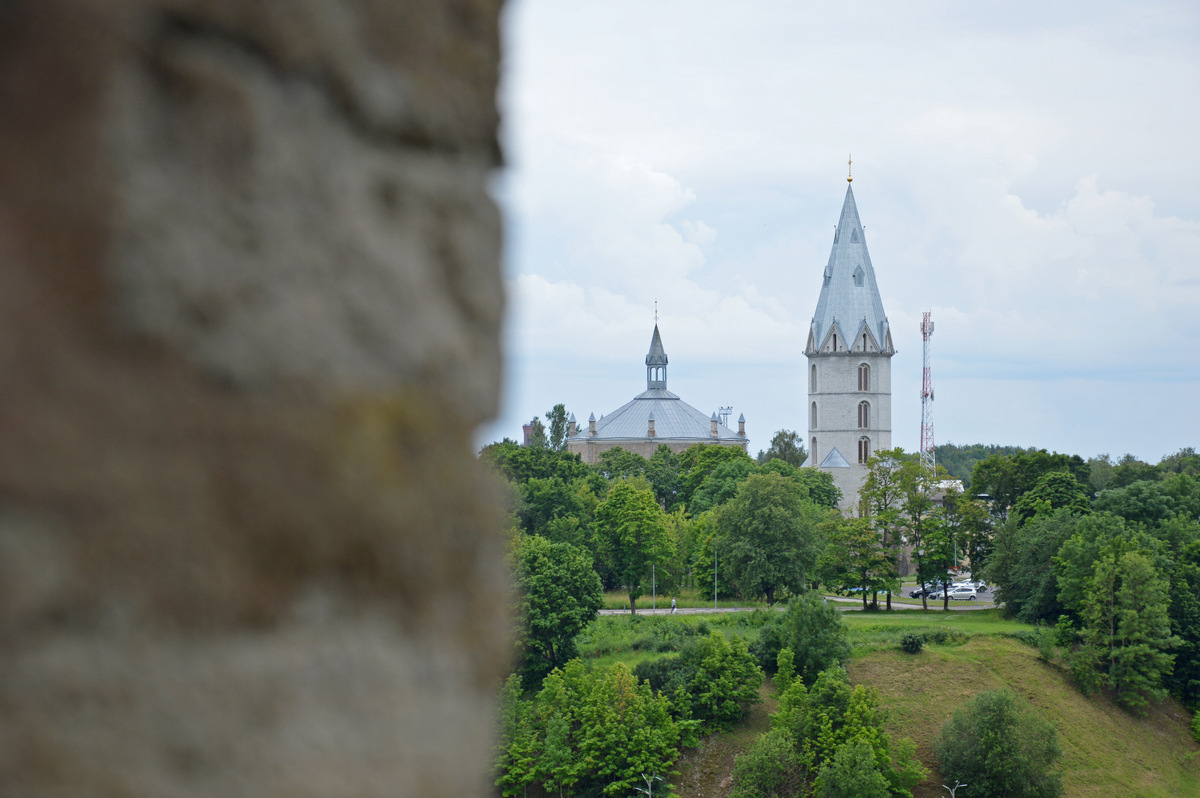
(1104, 554)
(1114, 570)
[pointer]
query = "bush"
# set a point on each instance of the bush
(1196, 727)
(1000, 745)
(912, 644)
(771, 768)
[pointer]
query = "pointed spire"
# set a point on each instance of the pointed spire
(849, 298)
(656, 363)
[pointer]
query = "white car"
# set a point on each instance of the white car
(962, 592)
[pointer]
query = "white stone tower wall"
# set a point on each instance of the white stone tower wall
(837, 398)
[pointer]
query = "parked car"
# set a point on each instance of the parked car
(963, 592)
(925, 590)
(978, 586)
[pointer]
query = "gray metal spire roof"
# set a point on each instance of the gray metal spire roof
(849, 296)
(674, 419)
(656, 363)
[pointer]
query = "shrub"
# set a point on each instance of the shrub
(785, 670)
(771, 768)
(1196, 727)
(853, 773)
(912, 644)
(1000, 745)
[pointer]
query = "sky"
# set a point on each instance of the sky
(1027, 172)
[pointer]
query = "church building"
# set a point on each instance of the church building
(849, 354)
(653, 418)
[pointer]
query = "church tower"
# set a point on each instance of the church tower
(849, 362)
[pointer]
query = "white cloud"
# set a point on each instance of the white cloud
(1029, 174)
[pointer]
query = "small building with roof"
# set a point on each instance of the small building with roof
(655, 417)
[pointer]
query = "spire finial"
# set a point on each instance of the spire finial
(849, 169)
(656, 311)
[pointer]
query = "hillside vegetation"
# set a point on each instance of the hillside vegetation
(1106, 751)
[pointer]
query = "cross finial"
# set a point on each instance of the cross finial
(656, 311)
(849, 169)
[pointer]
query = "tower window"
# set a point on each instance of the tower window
(864, 449)
(812, 380)
(812, 450)
(859, 276)
(864, 376)
(864, 415)
(813, 416)
(835, 342)
(854, 236)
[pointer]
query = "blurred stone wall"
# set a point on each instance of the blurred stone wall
(250, 302)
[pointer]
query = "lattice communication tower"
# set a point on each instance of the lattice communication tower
(927, 458)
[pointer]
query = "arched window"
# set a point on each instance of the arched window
(812, 451)
(835, 342)
(864, 415)
(812, 417)
(812, 380)
(864, 377)
(864, 449)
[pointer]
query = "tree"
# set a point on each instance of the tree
(972, 528)
(768, 533)
(1001, 746)
(537, 434)
(560, 594)
(698, 461)
(518, 747)
(853, 773)
(787, 446)
(816, 634)
(558, 427)
(631, 531)
(1126, 630)
(1053, 490)
(662, 470)
(618, 463)
(720, 485)
(880, 498)
(854, 557)
(626, 731)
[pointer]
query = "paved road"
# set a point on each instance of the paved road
(843, 603)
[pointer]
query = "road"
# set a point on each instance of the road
(984, 602)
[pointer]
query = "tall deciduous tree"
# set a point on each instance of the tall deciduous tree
(632, 534)
(786, 445)
(559, 596)
(880, 499)
(768, 534)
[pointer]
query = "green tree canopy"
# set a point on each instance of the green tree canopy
(788, 446)
(559, 596)
(768, 536)
(1053, 490)
(557, 433)
(720, 485)
(631, 532)
(1001, 747)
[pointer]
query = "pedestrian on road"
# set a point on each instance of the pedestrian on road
(672, 606)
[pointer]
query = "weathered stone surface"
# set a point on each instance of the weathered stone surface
(249, 313)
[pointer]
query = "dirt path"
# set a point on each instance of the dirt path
(707, 771)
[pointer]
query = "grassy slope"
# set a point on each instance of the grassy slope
(1106, 752)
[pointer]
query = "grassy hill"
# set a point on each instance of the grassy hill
(1106, 751)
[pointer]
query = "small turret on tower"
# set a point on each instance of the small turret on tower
(656, 364)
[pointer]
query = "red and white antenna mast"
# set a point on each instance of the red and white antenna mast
(927, 458)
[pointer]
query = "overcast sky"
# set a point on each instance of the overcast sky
(1027, 171)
